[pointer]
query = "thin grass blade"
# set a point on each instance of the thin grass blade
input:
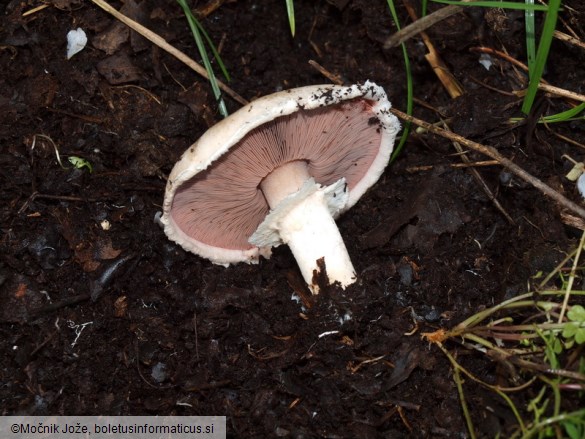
(544, 44)
(495, 4)
(566, 116)
(214, 51)
(530, 36)
(409, 87)
(195, 29)
(290, 10)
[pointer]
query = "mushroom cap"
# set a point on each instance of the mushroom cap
(339, 131)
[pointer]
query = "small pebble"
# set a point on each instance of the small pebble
(158, 372)
(406, 274)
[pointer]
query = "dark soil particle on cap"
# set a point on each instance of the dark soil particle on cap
(172, 334)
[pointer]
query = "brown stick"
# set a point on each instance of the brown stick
(423, 168)
(421, 25)
(569, 39)
(494, 154)
(436, 62)
(561, 92)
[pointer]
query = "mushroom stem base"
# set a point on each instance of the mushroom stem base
(305, 222)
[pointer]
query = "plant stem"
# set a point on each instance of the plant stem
(571, 278)
(458, 382)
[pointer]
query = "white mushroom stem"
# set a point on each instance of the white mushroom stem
(301, 216)
(284, 181)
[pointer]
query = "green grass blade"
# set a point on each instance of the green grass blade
(530, 36)
(409, 88)
(565, 116)
(195, 26)
(575, 417)
(290, 10)
(214, 51)
(550, 23)
(495, 4)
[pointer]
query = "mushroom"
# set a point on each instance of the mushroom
(280, 170)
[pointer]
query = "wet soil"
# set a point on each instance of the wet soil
(101, 314)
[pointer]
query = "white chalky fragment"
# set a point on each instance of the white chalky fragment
(581, 185)
(76, 41)
(485, 60)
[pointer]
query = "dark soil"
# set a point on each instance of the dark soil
(170, 333)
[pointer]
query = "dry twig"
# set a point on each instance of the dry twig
(423, 168)
(436, 63)
(421, 25)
